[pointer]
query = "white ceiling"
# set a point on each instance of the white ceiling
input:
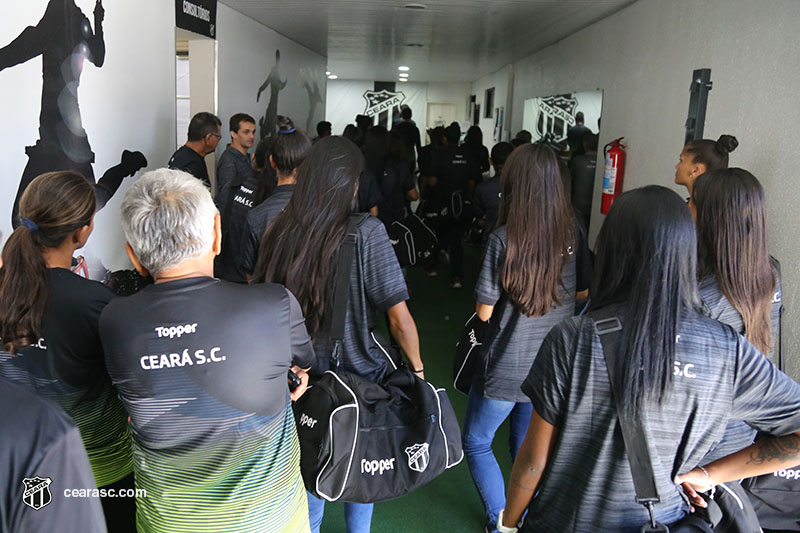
(462, 40)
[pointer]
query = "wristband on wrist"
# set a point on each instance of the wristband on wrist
(503, 529)
(418, 371)
(713, 485)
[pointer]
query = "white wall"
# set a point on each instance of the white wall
(129, 103)
(246, 55)
(643, 57)
(503, 83)
(451, 93)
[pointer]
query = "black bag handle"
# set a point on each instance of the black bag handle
(609, 328)
(341, 288)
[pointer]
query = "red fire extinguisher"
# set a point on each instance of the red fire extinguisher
(615, 171)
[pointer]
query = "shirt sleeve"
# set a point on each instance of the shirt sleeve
(547, 383)
(302, 349)
(250, 243)
(383, 278)
(67, 465)
(199, 170)
(764, 397)
(226, 173)
(88, 326)
(489, 287)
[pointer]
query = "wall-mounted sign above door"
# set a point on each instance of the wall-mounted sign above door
(199, 16)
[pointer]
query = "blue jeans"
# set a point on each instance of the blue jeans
(484, 416)
(357, 516)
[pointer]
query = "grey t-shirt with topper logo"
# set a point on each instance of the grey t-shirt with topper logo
(718, 376)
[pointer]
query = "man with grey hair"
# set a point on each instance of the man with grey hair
(201, 366)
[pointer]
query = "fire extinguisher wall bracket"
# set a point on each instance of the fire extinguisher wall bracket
(614, 173)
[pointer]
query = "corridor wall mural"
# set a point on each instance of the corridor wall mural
(81, 88)
(264, 74)
(550, 117)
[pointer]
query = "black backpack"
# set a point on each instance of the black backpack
(413, 240)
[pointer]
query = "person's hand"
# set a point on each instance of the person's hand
(693, 483)
(298, 392)
(99, 11)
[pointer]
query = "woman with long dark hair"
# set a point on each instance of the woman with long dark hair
(287, 152)
(526, 286)
(686, 376)
(473, 142)
(701, 156)
(299, 251)
(739, 281)
(50, 328)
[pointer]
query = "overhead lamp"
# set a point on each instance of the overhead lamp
(333, 77)
(403, 68)
(404, 74)
(403, 80)
(327, 72)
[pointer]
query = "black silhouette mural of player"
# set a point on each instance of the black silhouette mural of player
(266, 124)
(314, 98)
(64, 38)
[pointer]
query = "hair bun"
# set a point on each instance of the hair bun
(728, 142)
(284, 123)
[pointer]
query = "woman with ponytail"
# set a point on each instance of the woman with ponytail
(701, 156)
(49, 328)
(289, 148)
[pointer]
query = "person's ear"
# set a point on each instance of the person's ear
(216, 246)
(698, 170)
(81, 235)
(135, 260)
(272, 162)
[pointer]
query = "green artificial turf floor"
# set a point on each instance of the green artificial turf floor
(450, 502)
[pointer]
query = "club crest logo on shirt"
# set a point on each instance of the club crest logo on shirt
(37, 492)
(555, 116)
(379, 101)
(418, 457)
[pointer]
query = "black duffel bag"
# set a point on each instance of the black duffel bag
(413, 240)
(365, 442)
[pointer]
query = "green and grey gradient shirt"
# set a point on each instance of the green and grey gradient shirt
(67, 366)
(201, 366)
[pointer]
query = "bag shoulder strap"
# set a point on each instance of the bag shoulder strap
(609, 329)
(341, 288)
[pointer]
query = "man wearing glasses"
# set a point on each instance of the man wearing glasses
(203, 137)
